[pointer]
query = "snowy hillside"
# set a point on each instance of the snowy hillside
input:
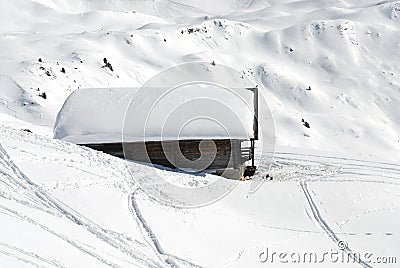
(328, 69)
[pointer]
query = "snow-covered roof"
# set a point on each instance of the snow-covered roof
(189, 112)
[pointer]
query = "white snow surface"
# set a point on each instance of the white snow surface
(93, 115)
(67, 206)
(62, 205)
(121, 114)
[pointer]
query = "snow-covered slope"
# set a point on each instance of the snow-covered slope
(85, 209)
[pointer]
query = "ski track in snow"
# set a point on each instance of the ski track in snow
(53, 206)
(47, 201)
(43, 199)
(19, 251)
(170, 260)
(151, 237)
(330, 169)
(323, 224)
(338, 169)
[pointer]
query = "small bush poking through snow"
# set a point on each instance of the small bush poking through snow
(107, 64)
(43, 95)
(305, 123)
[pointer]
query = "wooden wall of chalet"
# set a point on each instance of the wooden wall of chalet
(228, 152)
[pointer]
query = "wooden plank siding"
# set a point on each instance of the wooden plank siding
(228, 152)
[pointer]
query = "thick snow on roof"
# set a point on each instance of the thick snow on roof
(93, 114)
(132, 114)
